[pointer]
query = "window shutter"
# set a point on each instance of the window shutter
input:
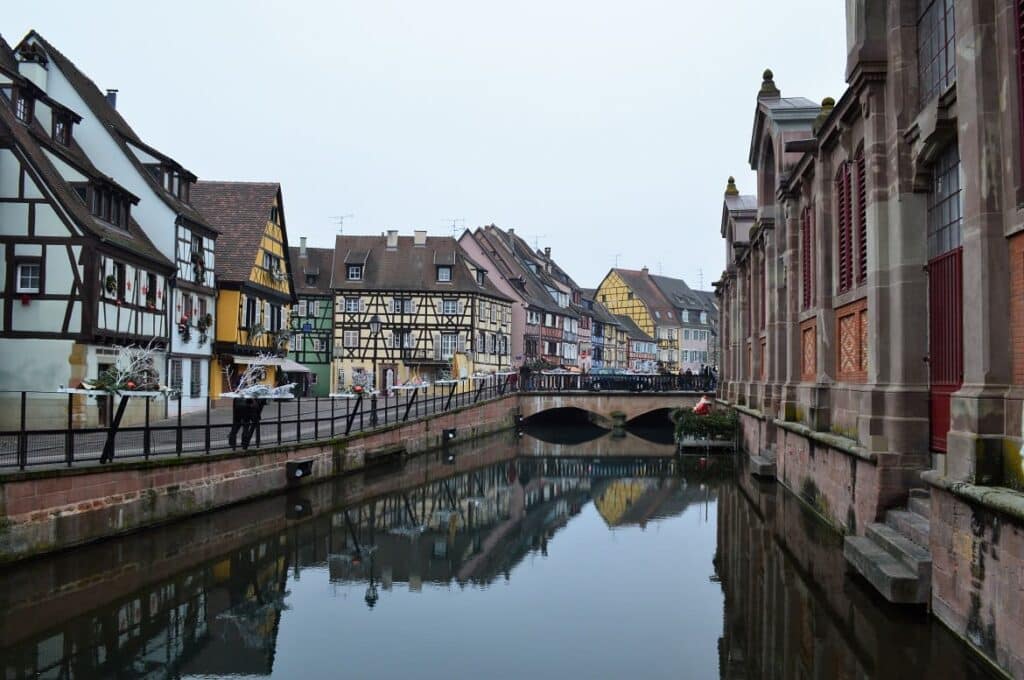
(391, 336)
(437, 345)
(458, 307)
(302, 308)
(806, 263)
(844, 230)
(862, 218)
(362, 305)
(440, 307)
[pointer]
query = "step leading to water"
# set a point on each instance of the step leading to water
(916, 558)
(910, 524)
(761, 466)
(920, 506)
(891, 577)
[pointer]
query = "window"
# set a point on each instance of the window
(195, 379)
(22, 106)
(122, 279)
(271, 262)
(444, 273)
(480, 277)
(807, 256)
(657, 314)
(944, 210)
(481, 342)
(449, 345)
(275, 317)
(402, 305)
(551, 348)
(175, 377)
(703, 317)
(187, 306)
(312, 378)
(629, 295)
(936, 57)
(303, 308)
(494, 343)
(311, 281)
(61, 128)
(686, 355)
(532, 318)
(313, 308)
(350, 338)
(686, 316)
(275, 214)
(202, 306)
(29, 276)
(860, 170)
(530, 347)
(150, 292)
(316, 344)
(351, 305)
(686, 334)
(355, 272)
(250, 312)
(449, 306)
(549, 320)
(402, 340)
(844, 231)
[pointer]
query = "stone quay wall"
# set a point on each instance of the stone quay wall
(43, 511)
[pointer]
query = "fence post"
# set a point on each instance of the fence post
(145, 433)
(69, 442)
(206, 436)
(177, 436)
(332, 416)
(298, 419)
(278, 422)
(316, 417)
(22, 437)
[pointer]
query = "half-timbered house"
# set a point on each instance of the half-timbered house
(636, 295)
(78, 275)
(253, 273)
(162, 209)
(312, 319)
(433, 310)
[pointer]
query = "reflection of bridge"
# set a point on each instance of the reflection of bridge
(613, 407)
(601, 447)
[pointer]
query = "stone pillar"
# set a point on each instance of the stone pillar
(743, 334)
(819, 402)
(976, 440)
(789, 354)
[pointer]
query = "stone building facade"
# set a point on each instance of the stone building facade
(873, 301)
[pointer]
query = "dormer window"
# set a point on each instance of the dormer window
(311, 280)
(480, 277)
(109, 206)
(22, 106)
(62, 129)
(444, 273)
(355, 272)
(275, 214)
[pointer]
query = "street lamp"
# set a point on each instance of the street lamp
(374, 331)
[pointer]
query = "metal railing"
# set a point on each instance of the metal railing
(219, 429)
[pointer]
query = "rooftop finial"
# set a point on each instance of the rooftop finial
(768, 89)
(827, 105)
(730, 188)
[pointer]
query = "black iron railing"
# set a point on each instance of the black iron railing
(162, 429)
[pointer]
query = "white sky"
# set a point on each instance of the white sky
(598, 128)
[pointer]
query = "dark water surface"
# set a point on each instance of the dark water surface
(519, 558)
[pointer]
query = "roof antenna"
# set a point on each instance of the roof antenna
(458, 224)
(536, 240)
(660, 272)
(340, 221)
(617, 256)
(700, 274)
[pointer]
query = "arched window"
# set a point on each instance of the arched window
(766, 191)
(807, 256)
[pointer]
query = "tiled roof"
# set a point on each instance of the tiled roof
(35, 143)
(319, 262)
(643, 286)
(599, 312)
(7, 60)
(407, 267)
(121, 132)
(632, 330)
(510, 254)
(240, 211)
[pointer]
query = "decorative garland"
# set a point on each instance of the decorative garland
(110, 285)
(134, 369)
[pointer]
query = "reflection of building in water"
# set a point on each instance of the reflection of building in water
(217, 619)
(623, 502)
(221, 617)
(791, 610)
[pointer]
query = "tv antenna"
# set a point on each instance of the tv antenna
(617, 256)
(660, 270)
(458, 224)
(536, 240)
(340, 221)
(700, 277)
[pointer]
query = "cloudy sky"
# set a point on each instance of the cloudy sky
(605, 130)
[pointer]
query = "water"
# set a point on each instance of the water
(519, 558)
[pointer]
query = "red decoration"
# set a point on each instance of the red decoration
(25, 299)
(159, 294)
(130, 384)
(358, 389)
(145, 290)
(128, 284)
(703, 407)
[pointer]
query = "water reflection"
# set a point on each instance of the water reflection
(497, 560)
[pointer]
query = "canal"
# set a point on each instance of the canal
(560, 555)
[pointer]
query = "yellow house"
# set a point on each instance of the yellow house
(254, 283)
(636, 295)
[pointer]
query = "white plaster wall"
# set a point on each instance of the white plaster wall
(48, 369)
(48, 223)
(59, 275)
(10, 168)
(13, 219)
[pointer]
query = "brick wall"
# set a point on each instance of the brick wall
(47, 510)
(1017, 306)
(978, 577)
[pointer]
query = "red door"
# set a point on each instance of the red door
(945, 340)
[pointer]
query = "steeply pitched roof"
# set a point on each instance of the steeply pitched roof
(240, 211)
(121, 132)
(511, 257)
(36, 144)
(632, 330)
(407, 267)
(643, 286)
(599, 312)
(318, 262)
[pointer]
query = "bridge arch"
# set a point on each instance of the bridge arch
(613, 406)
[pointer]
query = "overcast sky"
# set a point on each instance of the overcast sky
(600, 129)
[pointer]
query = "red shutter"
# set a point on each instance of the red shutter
(862, 219)
(806, 252)
(1020, 72)
(844, 231)
(763, 273)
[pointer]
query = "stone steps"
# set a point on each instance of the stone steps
(893, 556)
(910, 524)
(761, 466)
(893, 579)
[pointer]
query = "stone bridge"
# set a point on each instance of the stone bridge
(615, 408)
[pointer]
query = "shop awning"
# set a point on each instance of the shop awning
(289, 366)
(267, 361)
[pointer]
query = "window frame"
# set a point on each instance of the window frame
(61, 134)
(195, 379)
(449, 304)
(351, 300)
(23, 106)
(23, 261)
(354, 272)
(445, 268)
(347, 334)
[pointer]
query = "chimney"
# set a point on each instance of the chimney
(645, 270)
(302, 247)
(32, 64)
(419, 238)
(547, 252)
(392, 239)
(511, 231)
(112, 98)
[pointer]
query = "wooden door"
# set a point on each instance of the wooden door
(945, 340)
